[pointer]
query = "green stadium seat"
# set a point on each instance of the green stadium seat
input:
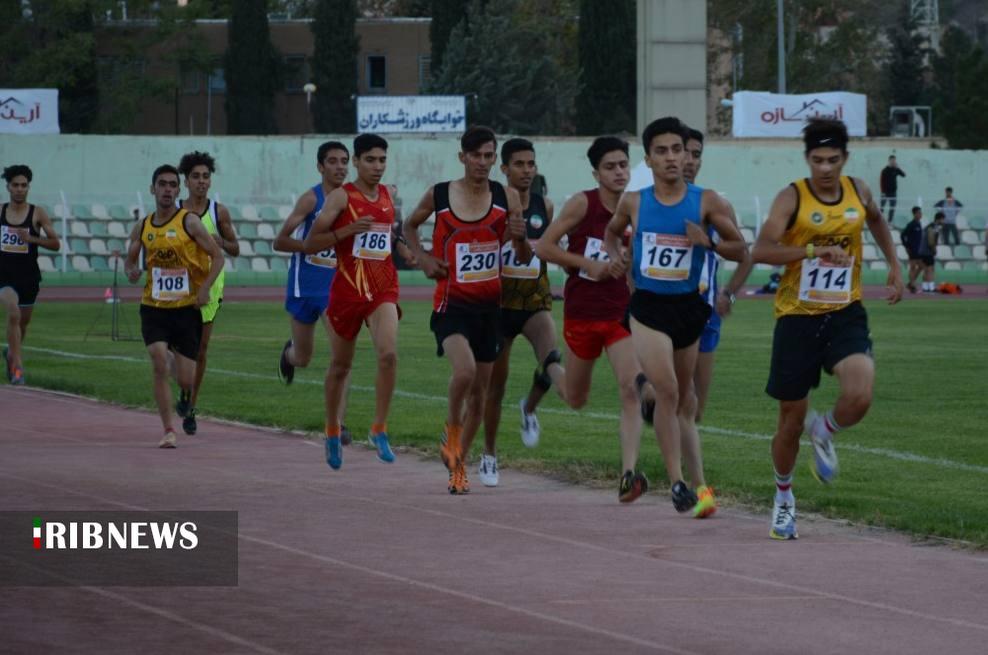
(977, 223)
(259, 265)
(46, 264)
(246, 249)
(265, 231)
(116, 244)
(117, 229)
(247, 230)
(98, 229)
(119, 212)
(262, 247)
(973, 265)
(81, 212)
(78, 247)
(78, 228)
(80, 264)
(98, 247)
(279, 264)
(99, 264)
(970, 237)
(98, 211)
(962, 252)
(268, 213)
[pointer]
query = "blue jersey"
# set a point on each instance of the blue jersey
(708, 274)
(666, 261)
(309, 276)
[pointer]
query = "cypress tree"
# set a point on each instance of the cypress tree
(334, 65)
(446, 14)
(253, 70)
(607, 98)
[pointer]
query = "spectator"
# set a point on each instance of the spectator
(928, 250)
(912, 236)
(951, 207)
(889, 186)
(137, 214)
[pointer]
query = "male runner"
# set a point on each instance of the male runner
(182, 262)
(23, 228)
(357, 221)
(475, 217)
(526, 306)
(310, 276)
(198, 168)
(814, 229)
(670, 222)
(596, 301)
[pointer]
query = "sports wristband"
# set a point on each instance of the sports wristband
(809, 250)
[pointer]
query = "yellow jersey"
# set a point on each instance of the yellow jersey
(176, 265)
(812, 286)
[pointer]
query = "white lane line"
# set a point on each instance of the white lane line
(878, 452)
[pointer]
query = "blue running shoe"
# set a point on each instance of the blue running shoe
(334, 453)
(380, 442)
(783, 521)
(824, 466)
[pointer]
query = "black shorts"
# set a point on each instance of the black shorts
(802, 345)
(26, 290)
(681, 317)
(927, 259)
(180, 328)
(480, 326)
(513, 321)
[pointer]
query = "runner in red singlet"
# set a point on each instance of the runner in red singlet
(596, 301)
(474, 217)
(356, 220)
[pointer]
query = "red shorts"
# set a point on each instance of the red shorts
(346, 314)
(587, 339)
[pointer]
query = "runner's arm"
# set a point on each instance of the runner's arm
(227, 237)
(50, 239)
(516, 228)
(719, 213)
(570, 217)
(618, 225)
(193, 225)
(131, 268)
(322, 236)
(879, 228)
(285, 242)
(431, 266)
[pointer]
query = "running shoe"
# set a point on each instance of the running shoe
(706, 504)
(488, 470)
(632, 486)
(449, 454)
(530, 430)
(824, 465)
(345, 437)
(683, 499)
(460, 482)
(182, 407)
(286, 372)
(783, 521)
(334, 453)
(169, 440)
(381, 443)
(189, 425)
(16, 376)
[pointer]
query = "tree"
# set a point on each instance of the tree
(608, 84)
(446, 14)
(906, 67)
(525, 89)
(961, 98)
(253, 70)
(334, 65)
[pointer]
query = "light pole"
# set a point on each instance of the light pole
(782, 47)
(309, 89)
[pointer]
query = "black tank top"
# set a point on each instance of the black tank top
(535, 216)
(18, 260)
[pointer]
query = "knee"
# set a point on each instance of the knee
(629, 393)
(463, 376)
(791, 427)
(14, 315)
(339, 369)
(687, 405)
(387, 361)
(577, 400)
(159, 366)
(667, 396)
(859, 401)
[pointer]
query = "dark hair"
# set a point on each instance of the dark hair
(10, 172)
(825, 133)
(603, 145)
(917, 209)
(511, 146)
(367, 142)
(939, 215)
(196, 158)
(891, 156)
(476, 136)
(161, 170)
(695, 135)
(330, 145)
(949, 189)
(666, 125)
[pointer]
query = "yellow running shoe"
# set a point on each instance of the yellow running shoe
(706, 504)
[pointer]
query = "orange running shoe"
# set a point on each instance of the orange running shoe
(706, 504)
(449, 447)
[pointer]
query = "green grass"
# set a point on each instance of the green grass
(930, 401)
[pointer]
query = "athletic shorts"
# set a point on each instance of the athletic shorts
(927, 259)
(210, 311)
(802, 345)
(347, 314)
(306, 309)
(681, 317)
(180, 328)
(710, 337)
(587, 339)
(26, 290)
(513, 321)
(480, 326)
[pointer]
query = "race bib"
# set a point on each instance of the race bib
(824, 282)
(476, 262)
(594, 250)
(512, 267)
(12, 239)
(169, 283)
(666, 257)
(325, 259)
(375, 244)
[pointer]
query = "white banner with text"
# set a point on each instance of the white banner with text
(29, 111)
(759, 114)
(384, 114)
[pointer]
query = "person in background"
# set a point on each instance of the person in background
(951, 207)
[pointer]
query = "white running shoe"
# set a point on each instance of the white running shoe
(824, 466)
(783, 521)
(488, 470)
(168, 441)
(530, 429)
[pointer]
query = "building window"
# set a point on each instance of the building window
(190, 82)
(217, 81)
(296, 73)
(377, 73)
(425, 72)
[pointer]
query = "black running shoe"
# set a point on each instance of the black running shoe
(632, 486)
(683, 498)
(182, 407)
(286, 372)
(189, 424)
(345, 437)
(647, 406)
